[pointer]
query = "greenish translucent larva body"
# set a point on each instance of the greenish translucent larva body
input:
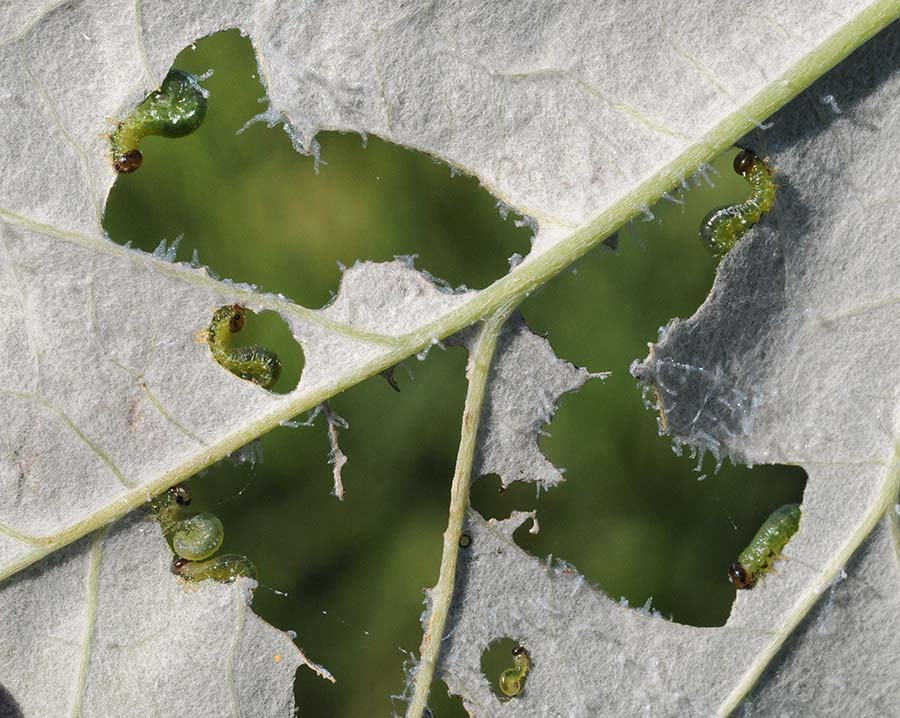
(198, 537)
(195, 539)
(254, 363)
(168, 507)
(765, 548)
(723, 228)
(512, 680)
(176, 109)
(224, 568)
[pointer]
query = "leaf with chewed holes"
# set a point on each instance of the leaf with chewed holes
(108, 399)
(790, 360)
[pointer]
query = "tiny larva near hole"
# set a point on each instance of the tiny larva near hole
(176, 109)
(195, 538)
(765, 548)
(723, 227)
(512, 680)
(253, 363)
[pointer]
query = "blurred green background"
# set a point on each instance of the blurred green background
(635, 518)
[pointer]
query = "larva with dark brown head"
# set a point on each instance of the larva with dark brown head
(512, 680)
(766, 546)
(195, 539)
(723, 227)
(254, 363)
(176, 109)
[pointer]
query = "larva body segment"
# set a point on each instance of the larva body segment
(176, 109)
(254, 363)
(197, 537)
(224, 569)
(512, 680)
(723, 227)
(766, 546)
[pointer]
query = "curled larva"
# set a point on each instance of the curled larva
(194, 537)
(722, 228)
(197, 537)
(512, 680)
(176, 109)
(766, 546)
(224, 568)
(254, 363)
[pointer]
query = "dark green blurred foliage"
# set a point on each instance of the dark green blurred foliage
(635, 518)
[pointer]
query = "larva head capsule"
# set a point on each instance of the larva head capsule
(181, 494)
(739, 576)
(127, 162)
(743, 161)
(237, 318)
(178, 564)
(229, 319)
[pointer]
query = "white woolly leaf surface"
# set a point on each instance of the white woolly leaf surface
(575, 114)
(792, 359)
(103, 628)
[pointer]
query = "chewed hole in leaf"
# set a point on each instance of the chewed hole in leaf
(8, 705)
(345, 579)
(443, 704)
(636, 519)
(255, 210)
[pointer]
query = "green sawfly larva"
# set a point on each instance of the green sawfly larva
(195, 539)
(512, 680)
(253, 363)
(176, 109)
(723, 227)
(766, 546)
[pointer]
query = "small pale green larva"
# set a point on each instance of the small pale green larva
(766, 546)
(723, 228)
(176, 109)
(512, 680)
(225, 568)
(196, 538)
(254, 363)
